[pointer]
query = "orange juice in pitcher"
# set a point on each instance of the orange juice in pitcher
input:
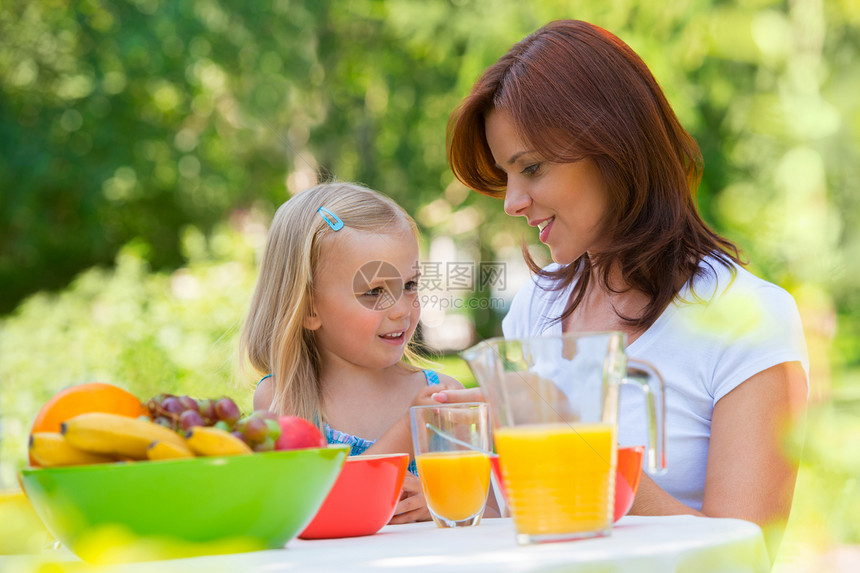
(554, 403)
(560, 478)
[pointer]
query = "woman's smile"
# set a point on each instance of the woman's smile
(567, 202)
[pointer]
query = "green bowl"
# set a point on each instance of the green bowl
(138, 511)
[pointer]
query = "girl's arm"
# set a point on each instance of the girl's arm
(412, 505)
(749, 476)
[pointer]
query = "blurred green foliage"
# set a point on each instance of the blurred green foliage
(145, 144)
(146, 332)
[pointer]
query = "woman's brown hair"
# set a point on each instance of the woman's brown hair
(576, 91)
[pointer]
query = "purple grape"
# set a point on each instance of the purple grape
(255, 430)
(207, 409)
(189, 419)
(188, 403)
(227, 410)
(172, 405)
(240, 436)
(156, 404)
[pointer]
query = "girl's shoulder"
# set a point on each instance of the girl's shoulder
(264, 393)
(443, 380)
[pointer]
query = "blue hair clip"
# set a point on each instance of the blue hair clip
(333, 220)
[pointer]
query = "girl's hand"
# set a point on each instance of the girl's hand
(412, 505)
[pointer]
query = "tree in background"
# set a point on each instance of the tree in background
(127, 122)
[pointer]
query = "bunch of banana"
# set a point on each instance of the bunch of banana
(168, 451)
(212, 441)
(116, 435)
(51, 449)
(100, 437)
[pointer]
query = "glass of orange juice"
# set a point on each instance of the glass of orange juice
(451, 444)
(555, 405)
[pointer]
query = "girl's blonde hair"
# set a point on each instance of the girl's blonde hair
(274, 338)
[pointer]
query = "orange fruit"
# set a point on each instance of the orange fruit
(84, 398)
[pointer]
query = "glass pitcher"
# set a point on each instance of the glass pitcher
(554, 405)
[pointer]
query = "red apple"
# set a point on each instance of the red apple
(297, 433)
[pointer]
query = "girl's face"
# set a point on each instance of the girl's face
(567, 202)
(366, 296)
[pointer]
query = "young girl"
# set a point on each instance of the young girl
(331, 321)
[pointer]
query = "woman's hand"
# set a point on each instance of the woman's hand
(412, 505)
(457, 396)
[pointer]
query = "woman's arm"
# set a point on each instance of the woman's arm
(749, 474)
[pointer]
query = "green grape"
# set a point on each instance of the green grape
(274, 429)
(266, 445)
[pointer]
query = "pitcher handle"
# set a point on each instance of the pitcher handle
(648, 379)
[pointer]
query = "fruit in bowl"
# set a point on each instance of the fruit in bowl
(80, 399)
(115, 512)
(362, 499)
(172, 478)
(101, 423)
(298, 433)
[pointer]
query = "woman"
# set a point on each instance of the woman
(573, 132)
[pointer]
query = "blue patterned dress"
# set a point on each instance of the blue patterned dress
(359, 445)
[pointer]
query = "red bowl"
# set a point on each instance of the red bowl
(627, 474)
(362, 499)
(497, 473)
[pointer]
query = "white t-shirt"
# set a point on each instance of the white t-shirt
(704, 344)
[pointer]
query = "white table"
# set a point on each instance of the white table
(637, 544)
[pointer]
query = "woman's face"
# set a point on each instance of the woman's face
(567, 202)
